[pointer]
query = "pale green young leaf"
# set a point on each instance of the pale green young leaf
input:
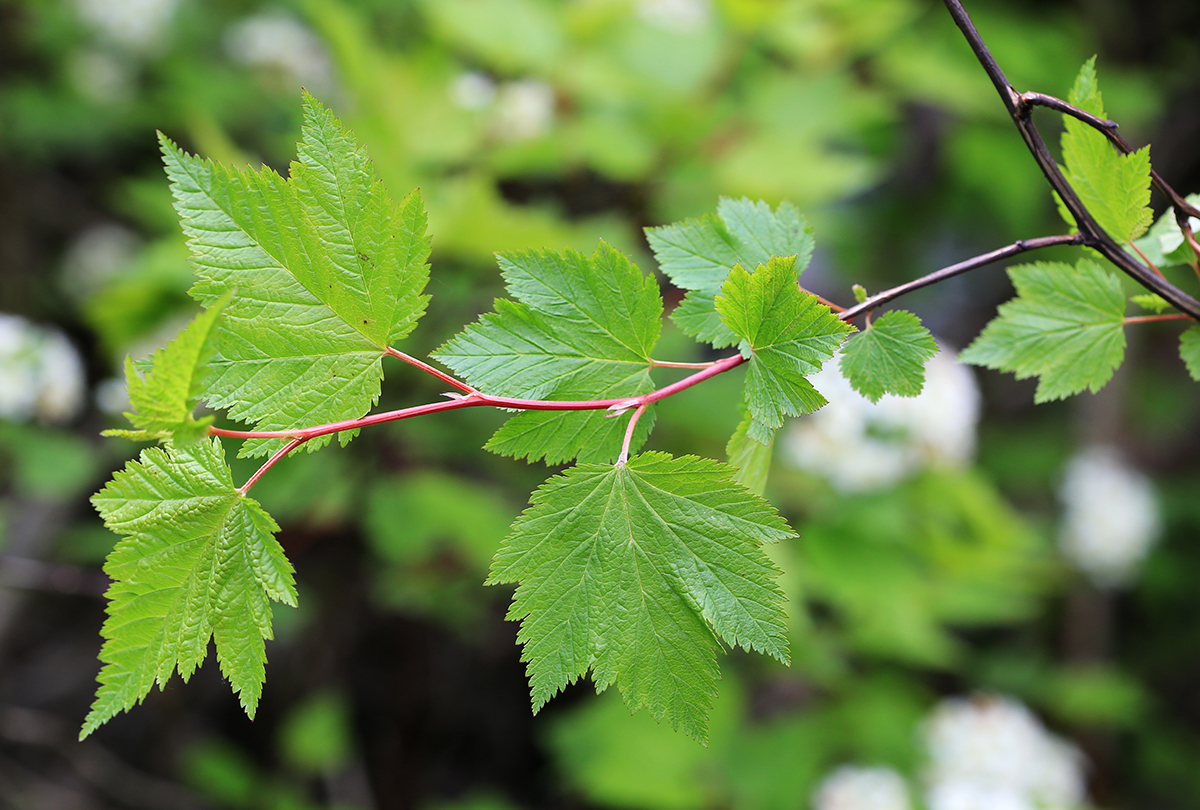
(328, 274)
(1164, 245)
(1066, 327)
(197, 560)
(751, 459)
(1189, 350)
(637, 572)
(889, 357)
(786, 335)
(582, 327)
(165, 397)
(1150, 302)
(697, 255)
(1115, 188)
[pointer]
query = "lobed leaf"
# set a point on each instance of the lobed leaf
(697, 255)
(1115, 188)
(198, 560)
(1066, 327)
(328, 274)
(786, 334)
(634, 572)
(889, 357)
(582, 327)
(165, 397)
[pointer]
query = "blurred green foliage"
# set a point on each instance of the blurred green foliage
(543, 123)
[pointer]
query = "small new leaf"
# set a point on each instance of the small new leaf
(786, 335)
(697, 255)
(1066, 327)
(328, 274)
(165, 397)
(1115, 188)
(889, 357)
(199, 560)
(634, 572)
(1165, 244)
(1150, 302)
(1189, 350)
(582, 327)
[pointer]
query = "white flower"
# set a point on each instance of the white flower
(473, 90)
(524, 110)
(101, 76)
(992, 753)
(41, 374)
(1111, 516)
(96, 256)
(137, 25)
(858, 788)
(858, 445)
(276, 40)
(683, 16)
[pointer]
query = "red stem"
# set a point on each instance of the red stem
(633, 420)
(271, 462)
(1155, 318)
(476, 399)
(428, 369)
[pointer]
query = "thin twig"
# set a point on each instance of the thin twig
(1109, 128)
(1020, 246)
(271, 462)
(428, 369)
(1093, 235)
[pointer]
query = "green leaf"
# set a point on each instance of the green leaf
(582, 327)
(328, 274)
(634, 572)
(1189, 350)
(697, 255)
(198, 560)
(787, 335)
(1115, 188)
(889, 357)
(164, 399)
(751, 458)
(1066, 326)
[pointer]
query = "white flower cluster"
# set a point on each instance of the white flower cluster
(858, 445)
(1111, 516)
(857, 788)
(520, 110)
(41, 374)
(138, 26)
(277, 41)
(683, 16)
(992, 753)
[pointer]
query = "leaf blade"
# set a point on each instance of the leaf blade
(633, 572)
(889, 357)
